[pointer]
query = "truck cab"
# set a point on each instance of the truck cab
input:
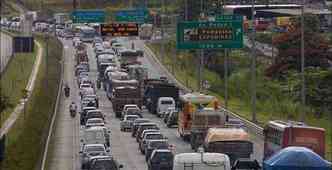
(164, 103)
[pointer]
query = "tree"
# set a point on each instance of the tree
(4, 101)
(289, 47)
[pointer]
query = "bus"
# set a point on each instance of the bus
(87, 34)
(279, 134)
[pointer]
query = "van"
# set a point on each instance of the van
(164, 103)
(201, 161)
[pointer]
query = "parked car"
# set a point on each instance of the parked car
(147, 137)
(155, 144)
(136, 124)
(127, 122)
(161, 159)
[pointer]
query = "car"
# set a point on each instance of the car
(145, 132)
(155, 144)
(87, 90)
(127, 106)
(136, 124)
(161, 159)
(127, 122)
(92, 122)
(149, 136)
(167, 113)
(132, 111)
(172, 118)
(144, 126)
(91, 150)
(88, 102)
(94, 114)
(103, 163)
(84, 112)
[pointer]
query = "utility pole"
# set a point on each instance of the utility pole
(74, 4)
(186, 10)
(303, 95)
(253, 64)
(201, 58)
(162, 15)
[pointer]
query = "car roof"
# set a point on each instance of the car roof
(95, 119)
(153, 133)
(87, 145)
(158, 140)
(142, 119)
(96, 110)
(88, 108)
(162, 150)
(131, 116)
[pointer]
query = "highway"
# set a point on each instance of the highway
(65, 145)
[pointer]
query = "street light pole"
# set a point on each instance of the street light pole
(303, 95)
(253, 64)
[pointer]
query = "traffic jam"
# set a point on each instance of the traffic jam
(218, 141)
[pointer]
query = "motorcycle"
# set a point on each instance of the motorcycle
(72, 113)
(67, 91)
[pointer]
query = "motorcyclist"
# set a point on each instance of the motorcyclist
(72, 107)
(67, 90)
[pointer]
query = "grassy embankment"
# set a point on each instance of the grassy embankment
(273, 101)
(25, 141)
(15, 78)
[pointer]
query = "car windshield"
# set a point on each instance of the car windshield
(104, 165)
(159, 144)
(131, 118)
(95, 121)
(94, 149)
(162, 157)
(168, 102)
(154, 136)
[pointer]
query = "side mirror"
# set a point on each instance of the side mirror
(120, 166)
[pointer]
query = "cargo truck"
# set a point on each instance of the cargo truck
(191, 105)
(124, 95)
(154, 89)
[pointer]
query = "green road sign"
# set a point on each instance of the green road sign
(88, 16)
(131, 15)
(210, 35)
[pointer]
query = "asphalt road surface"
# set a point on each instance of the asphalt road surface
(65, 146)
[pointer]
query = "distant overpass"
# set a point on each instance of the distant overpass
(246, 10)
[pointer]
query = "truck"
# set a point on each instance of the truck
(124, 95)
(154, 89)
(81, 55)
(233, 142)
(60, 18)
(191, 104)
(201, 161)
(202, 120)
(146, 31)
(112, 77)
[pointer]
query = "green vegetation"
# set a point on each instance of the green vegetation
(26, 139)
(15, 79)
(7, 10)
(275, 98)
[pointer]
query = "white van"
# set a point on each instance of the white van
(164, 104)
(201, 161)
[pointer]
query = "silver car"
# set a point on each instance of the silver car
(91, 150)
(127, 122)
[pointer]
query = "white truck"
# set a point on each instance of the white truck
(60, 18)
(201, 161)
(164, 104)
(146, 31)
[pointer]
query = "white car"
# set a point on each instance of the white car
(94, 122)
(127, 122)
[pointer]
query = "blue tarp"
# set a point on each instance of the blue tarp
(296, 158)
